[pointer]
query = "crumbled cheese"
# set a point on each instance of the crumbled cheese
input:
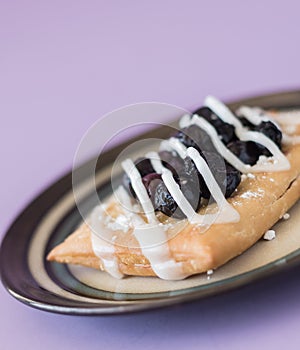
(250, 176)
(286, 216)
(269, 235)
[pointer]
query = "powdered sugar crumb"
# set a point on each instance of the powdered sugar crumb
(286, 216)
(269, 235)
(209, 273)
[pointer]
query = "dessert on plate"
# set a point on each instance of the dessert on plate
(210, 192)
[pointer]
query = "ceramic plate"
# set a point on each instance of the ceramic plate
(76, 290)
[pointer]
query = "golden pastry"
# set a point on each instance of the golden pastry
(251, 158)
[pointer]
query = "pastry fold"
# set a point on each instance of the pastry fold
(261, 200)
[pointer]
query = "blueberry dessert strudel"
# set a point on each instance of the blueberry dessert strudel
(209, 193)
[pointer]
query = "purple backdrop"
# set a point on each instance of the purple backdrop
(65, 63)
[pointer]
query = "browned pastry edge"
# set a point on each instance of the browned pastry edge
(260, 201)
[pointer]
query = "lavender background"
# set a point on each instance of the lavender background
(63, 64)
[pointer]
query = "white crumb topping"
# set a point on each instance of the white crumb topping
(286, 216)
(209, 273)
(269, 235)
(243, 177)
(263, 160)
(247, 176)
(121, 223)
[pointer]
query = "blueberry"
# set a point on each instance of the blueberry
(188, 182)
(245, 122)
(163, 201)
(225, 130)
(227, 177)
(144, 166)
(233, 179)
(191, 191)
(172, 162)
(247, 151)
(148, 179)
(193, 136)
(270, 130)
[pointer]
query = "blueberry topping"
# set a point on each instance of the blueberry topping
(163, 201)
(233, 179)
(245, 122)
(193, 136)
(148, 179)
(225, 130)
(191, 191)
(172, 162)
(190, 170)
(247, 151)
(267, 128)
(185, 172)
(227, 177)
(271, 131)
(144, 166)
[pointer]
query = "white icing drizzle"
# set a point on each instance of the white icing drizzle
(276, 165)
(140, 190)
(226, 212)
(155, 162)
(289, 120)
(171, 144)
(152, 240)
(102, 243)
(254, 115)
(152, 236)
(243, 134)
(124, 198)
(219, 145)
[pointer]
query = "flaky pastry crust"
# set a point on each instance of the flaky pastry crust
(261, 201)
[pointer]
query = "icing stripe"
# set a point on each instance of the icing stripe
(243, 134)
(226, 212)
(254, 115)
(154, 246)
(152, 237)
(139, 189)
(102, 243)
(170, 144)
